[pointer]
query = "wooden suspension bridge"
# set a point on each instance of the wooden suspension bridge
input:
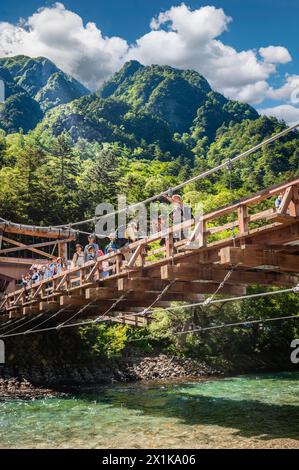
(263, 250)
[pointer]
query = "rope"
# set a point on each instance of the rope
(10, 323)
(81, 310)
(243, 323)
(47, 319)
(122, 297)
(223, 325)
(91, 303)
(294, 290)
(191, 180)
(159, 297)
(23, 324)
(175, 188)
(221, 285)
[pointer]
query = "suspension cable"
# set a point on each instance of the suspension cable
(159, 297)
(26, 323)
(241, 324)
(191, 180)
(294, 290)
(179, 186)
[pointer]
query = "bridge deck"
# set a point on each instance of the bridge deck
(264, 251)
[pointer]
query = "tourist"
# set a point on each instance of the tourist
(91, 249)
(25, 280)
(106, 263)
(49, 270)
(59, 266)
(179, 214)
(100, 252)
(112, 245)
(78, 258)
(34, 276)
(41, 273)
(132, 232)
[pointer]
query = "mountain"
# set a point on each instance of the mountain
(152, 104)
(181, 98)
(19, 110)
(33, 86)
(110, 120)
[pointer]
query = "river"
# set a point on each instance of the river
(249, 411)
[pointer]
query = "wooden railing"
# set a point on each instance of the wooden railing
(144, 253)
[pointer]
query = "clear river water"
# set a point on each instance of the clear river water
(252, 411)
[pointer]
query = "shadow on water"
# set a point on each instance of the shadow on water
(248, 417)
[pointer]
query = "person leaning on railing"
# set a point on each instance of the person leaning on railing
(91, 249)
(78, 258)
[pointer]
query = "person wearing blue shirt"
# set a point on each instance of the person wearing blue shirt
(91, 249)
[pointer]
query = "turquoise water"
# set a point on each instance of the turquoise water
(248, 411)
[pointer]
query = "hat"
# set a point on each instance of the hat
(176, 197)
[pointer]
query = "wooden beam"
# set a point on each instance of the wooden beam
(243, 219)
(30, 310)
(294, 206)
(137, 254)
(287, 197)
(34, 231)
(22, 246)
(50, 306)
(139, 285)
(28, 261)
(62, 249)
(239, 276)
(74, 300)
(259, 258)
(253, 199)
(101, 293)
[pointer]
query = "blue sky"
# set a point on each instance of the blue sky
(236, 34)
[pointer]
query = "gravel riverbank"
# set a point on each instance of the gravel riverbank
(45, 380)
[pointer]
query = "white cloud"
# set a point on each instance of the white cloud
(188, 39)
(61, 36)
(286, 112)
(275, 54)
(253, 93)
(288, 92)
(179, 37)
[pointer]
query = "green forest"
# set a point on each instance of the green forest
(63, 150)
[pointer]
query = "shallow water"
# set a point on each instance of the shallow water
(247, 411)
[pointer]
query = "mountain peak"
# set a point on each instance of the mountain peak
(173, 95)
(40, 80)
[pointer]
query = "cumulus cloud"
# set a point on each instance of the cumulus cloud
(179, 37)
(61, 36)
(275, 54)
(288, 92)
(286, 112)
(189, 39)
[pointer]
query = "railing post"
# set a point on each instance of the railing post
(243, 219)
(118, 262)
(169, 245)
(294, 205)
(62, 250)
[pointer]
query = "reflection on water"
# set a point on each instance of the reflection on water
(247, 411)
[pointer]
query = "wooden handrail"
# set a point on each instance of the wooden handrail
(85, 274)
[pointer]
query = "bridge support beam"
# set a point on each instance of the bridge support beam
(258, 258)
